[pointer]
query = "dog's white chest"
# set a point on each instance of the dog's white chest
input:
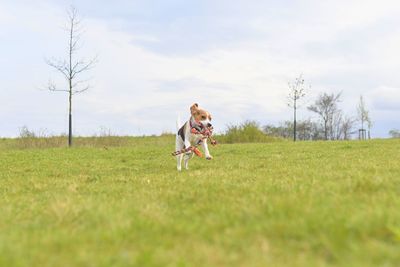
(194, 138)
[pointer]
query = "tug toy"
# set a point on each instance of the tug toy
(206, 134)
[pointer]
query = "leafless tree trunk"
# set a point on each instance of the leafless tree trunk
(71, 68)
(336, 125)
(297, 91)
(326, 107)
(370, 124)
(347, 127)
(363, 117)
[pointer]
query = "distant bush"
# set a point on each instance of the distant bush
(24, 132)
(104, 132)
(31, 139)
(41, 139)
(247, 132)
(394, 133)
(169, 134)
(39, 142)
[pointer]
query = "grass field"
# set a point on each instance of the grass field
(277, 204)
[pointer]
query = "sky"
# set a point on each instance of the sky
(234, 58)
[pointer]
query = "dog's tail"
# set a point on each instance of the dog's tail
(178, 123)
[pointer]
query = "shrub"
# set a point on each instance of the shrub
(247, 132)
(24, 132)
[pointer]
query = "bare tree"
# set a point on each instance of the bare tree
(363, 117)
(347, 127)
(326, 107)
(308, 130)
(297, 91)
(71, 67)
(304, 130)
(335, 125)
(369, 124)
(283, 130)
(362, 112)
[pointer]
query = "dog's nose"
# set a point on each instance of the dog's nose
(209, 124)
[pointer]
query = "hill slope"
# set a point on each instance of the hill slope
(280, 204)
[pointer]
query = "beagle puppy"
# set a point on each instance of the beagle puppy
(189, 135)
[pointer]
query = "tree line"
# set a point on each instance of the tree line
(332, 124)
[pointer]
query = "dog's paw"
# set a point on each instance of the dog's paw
(209, 157)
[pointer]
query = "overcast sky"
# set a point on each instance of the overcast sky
(235, 58)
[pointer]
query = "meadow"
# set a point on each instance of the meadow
(121, 202)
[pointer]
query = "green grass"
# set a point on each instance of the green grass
(278, 204)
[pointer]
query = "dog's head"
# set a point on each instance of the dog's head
(200, 115)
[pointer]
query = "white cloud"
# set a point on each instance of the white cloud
(385, 98)
(240, 77)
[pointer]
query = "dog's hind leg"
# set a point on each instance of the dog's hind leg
(186, 159)
(179, 146)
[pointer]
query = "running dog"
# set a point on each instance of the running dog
(193, 133)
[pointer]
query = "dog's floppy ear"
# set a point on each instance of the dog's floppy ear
(194, 108)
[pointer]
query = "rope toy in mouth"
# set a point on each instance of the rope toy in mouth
(206, 134)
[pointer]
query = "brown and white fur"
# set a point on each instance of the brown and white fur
(185, 138)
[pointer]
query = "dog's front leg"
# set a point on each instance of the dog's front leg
(205, 148)
(186, 159)
(179, 162)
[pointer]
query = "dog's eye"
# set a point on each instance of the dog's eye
(203, 117)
